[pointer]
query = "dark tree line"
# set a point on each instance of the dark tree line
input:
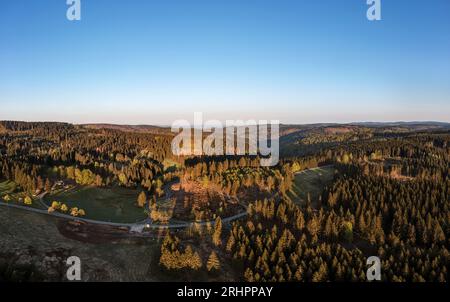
(101, 157)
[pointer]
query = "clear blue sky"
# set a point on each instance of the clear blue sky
(150, 62)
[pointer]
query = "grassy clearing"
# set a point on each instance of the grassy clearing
(311, 182)
(106, 204)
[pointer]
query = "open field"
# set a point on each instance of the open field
(30, 241)
(107, 204)
(311, 182)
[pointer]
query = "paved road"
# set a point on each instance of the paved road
(132, 225)
(117, 224)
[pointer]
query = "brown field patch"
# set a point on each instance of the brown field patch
(197, 201)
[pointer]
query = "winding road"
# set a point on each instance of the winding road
(133, 226)
(136, 226)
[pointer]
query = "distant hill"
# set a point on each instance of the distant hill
(291, 129)
(414, 124)
(285, 129)
(131, 128)
(25, 126)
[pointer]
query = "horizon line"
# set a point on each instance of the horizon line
(281, 123)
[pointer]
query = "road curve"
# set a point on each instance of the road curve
(133, 225)
(118, 224)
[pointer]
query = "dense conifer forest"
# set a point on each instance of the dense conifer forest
(389, 197)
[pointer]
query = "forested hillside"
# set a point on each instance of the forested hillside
(387, 195)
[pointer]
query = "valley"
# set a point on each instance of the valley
(116, 197)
